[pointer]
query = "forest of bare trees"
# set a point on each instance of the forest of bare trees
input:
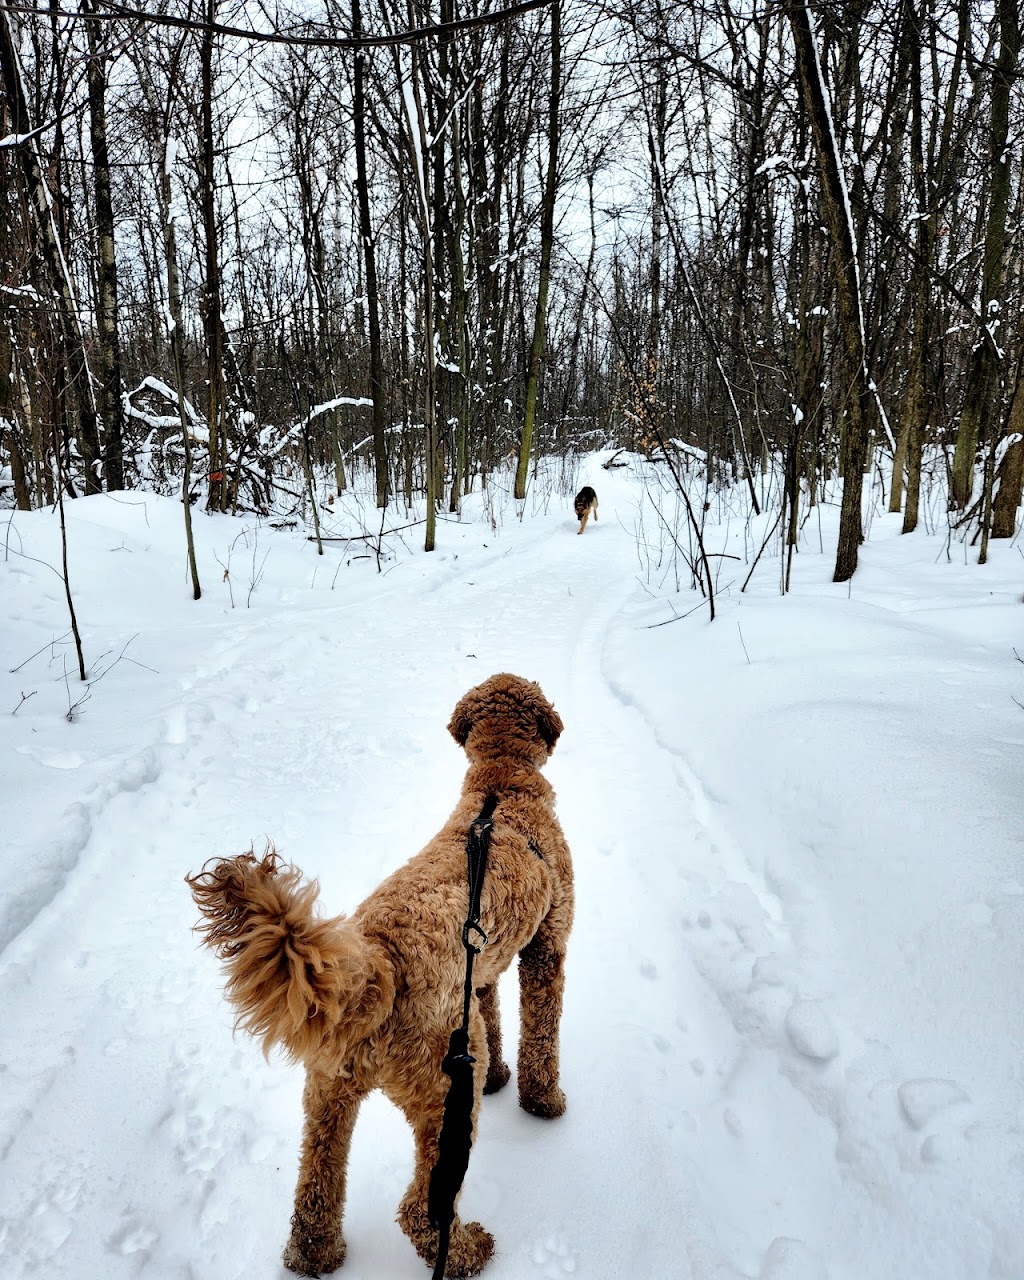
(420, 242)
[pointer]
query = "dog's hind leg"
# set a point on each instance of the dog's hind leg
(541, 983)
(470, 1246)
(316, 1245)
(498, 1074)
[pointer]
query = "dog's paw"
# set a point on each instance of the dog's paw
(547, 1105)
(309, 1257)
(469, 1250)
(498, 1076)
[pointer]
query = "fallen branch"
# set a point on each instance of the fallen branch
(677, 618)
(369, 537)
(49, 644)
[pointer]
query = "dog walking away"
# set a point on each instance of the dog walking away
(368, 1001)
(585, 502)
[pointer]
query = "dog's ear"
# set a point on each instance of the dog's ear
(549, 725)
(462, 719)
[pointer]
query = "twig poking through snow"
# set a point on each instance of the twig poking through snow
(743, 642)
(24, 698)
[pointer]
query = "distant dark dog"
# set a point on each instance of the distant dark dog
(368, 1001)
(585, 503)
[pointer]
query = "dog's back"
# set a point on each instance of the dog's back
(585, 504)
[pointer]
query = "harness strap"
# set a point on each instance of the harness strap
(455, 1140)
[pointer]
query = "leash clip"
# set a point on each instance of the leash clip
(470, 927)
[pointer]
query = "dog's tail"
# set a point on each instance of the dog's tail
(311, 986)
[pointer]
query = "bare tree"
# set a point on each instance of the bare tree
(78, 377)
(850, 318)
(547, 241)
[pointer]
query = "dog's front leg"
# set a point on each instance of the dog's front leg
(316, 1245)
(541, 983)
(498, 1074)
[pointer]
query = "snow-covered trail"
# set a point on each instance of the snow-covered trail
(742, 1102)
(139, 1139)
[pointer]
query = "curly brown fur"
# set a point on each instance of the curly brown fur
(585, 505)
(368, 1001)
(294, 979)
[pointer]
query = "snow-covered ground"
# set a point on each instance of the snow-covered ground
(793, 1027)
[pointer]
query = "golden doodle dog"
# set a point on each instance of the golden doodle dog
(368, 1001)
(584, 503)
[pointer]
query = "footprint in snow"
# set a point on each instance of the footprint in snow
(261, 1149)
(943, 1148)
(133, 1237)
(767, 971)
(554, 1255)
(139, 772)
(49, 1229)
(176, 726)
(788, 1259)
(922, 1100)
(53, 759)
(810, 1030)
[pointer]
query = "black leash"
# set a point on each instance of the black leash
(456, 1137)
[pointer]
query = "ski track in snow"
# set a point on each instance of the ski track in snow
(728, 941)
(137, 1139)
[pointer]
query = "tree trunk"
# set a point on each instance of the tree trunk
(459, 307)
(109, 350)
(211, 307)
(547, 238)
(980, 394)
(420, 147)
(1011, 467)
(850, 318)
(11, 435)
(77, 376)
(174, 317)
(378, 418)
(11, 432)
(915, 409)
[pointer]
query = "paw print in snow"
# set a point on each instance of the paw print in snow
(554, 1255)
(133, 1237)
(792, 1260)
